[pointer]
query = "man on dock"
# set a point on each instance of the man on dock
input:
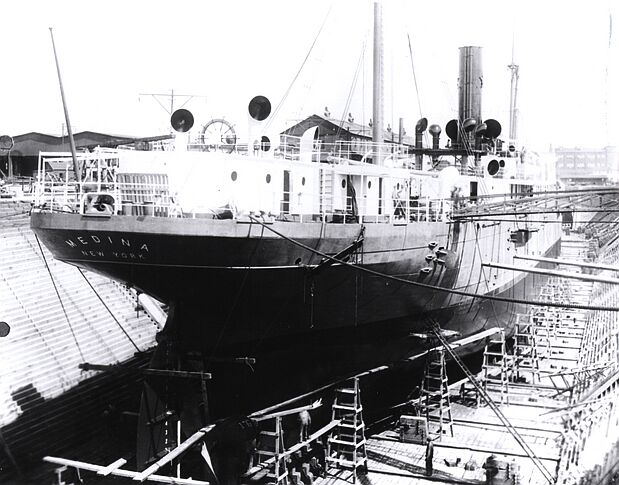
(429, 456)
(492, 468)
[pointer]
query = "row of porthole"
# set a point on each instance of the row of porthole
(234, 176)
(369, 184)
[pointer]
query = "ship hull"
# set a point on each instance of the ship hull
(231, 284)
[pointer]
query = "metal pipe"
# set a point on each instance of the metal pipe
(76, 166)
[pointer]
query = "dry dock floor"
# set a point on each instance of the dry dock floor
(534, 408)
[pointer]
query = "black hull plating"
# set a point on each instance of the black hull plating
(232, 285)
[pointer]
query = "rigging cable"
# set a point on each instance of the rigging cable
(433, 287)
(239, 292)
(352, 90)
(285, 96)
(51, 277)
(108, 309)
(410, 53)
(483, 269)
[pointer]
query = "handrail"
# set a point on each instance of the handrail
(103, 182)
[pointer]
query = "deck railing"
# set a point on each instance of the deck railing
(104, 191)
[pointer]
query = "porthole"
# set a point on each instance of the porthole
(233, 176)
(268, 178)
(369, 184)
(343, 183)
(493, 167)
(303, 181)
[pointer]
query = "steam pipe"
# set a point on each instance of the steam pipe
(435, 131)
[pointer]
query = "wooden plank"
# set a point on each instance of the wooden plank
(121, 473)
(177, 373)
(568, 262)
(179, 450)
(550, 272)
(375, 370)
(262, 417)
(113, 466)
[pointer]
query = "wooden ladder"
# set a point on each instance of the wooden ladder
(526, 358)
(496, 357)
(271, 446)
(434, 392)
(346, 446)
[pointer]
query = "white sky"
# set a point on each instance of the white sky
(229, 51)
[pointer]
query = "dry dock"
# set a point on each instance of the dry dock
(556, 388)
(541, 410)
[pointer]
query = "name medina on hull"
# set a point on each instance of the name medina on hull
(106, 247)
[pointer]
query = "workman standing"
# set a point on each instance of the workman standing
(429, 456)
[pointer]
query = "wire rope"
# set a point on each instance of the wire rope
(51, 277)
(433, 287)
(108, 309)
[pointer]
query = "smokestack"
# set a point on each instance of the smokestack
(470, 82)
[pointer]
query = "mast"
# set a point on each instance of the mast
(76, 166)
(377, 99)
(513, 94)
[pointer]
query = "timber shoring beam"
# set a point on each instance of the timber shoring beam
(550, 272)
(569, 262)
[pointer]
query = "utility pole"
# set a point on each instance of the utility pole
(172, 95)
(157, 97)
(6, 143)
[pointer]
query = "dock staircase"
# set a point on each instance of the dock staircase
(434, 394)
(346, 446)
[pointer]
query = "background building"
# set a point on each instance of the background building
(587, 166)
